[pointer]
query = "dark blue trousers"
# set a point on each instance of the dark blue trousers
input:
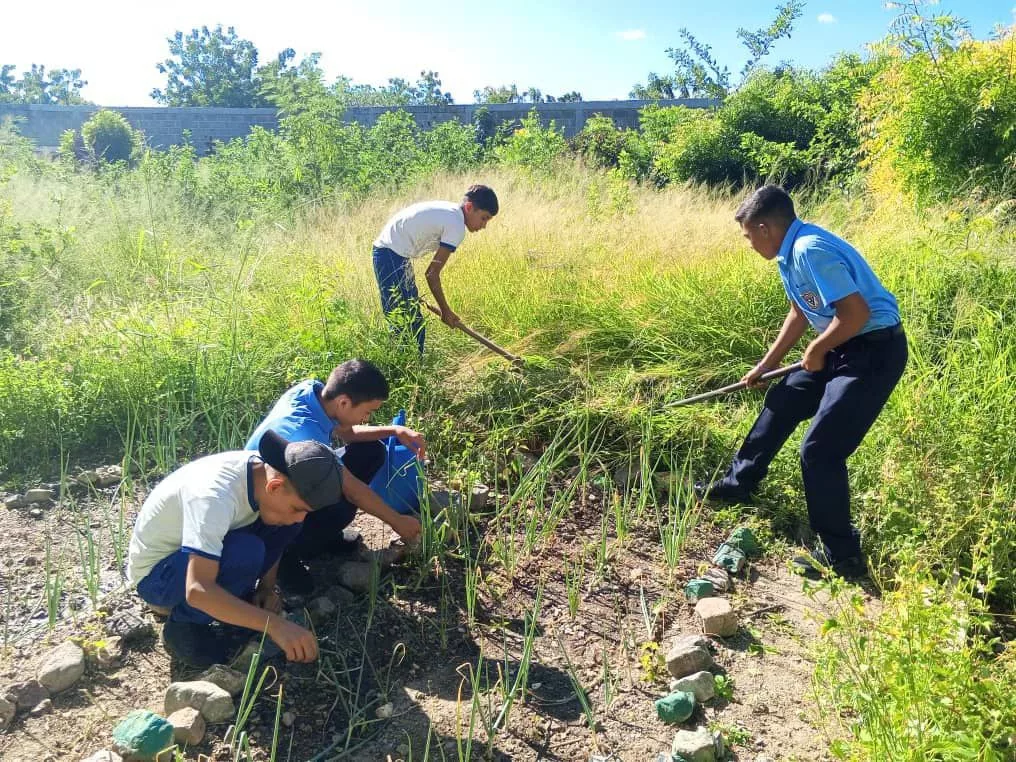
(400, 299)
(843, 399)
(247, 553)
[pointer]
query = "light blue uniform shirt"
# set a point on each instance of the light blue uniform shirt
(819, 268)
(297, 416)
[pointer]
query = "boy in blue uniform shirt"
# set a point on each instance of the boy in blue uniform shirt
(338, 408)
(850, 369)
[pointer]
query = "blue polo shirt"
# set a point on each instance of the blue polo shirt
(819, 268)
(297, 416)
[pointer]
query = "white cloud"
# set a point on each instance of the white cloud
(826, 18)
(630, 35)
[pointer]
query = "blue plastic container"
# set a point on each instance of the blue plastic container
(398, 480)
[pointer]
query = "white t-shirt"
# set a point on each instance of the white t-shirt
(192, 509)
(419, 229)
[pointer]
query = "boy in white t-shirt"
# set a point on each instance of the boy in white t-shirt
(209, 537)
(438, 226)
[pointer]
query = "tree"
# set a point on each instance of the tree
(58, 87)
(572, 96)
(216, 68)
(698, 74)
(500, 94)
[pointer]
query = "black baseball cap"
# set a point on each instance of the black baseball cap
(313, 468)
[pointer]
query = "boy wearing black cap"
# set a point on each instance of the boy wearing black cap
(208, 540)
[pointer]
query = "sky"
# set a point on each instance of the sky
(598, 47)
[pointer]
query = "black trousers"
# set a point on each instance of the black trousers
(323, 528)
(844, 399)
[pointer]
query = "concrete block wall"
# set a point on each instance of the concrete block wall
(164, 126)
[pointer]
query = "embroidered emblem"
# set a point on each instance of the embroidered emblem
(811, 299)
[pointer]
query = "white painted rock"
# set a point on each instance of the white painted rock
(214, 703)
(40, 495)
(684, 659)
(718, 618)
(701, 684)
(229, 680)
(694, 746)
(188, 726)
(62, 667)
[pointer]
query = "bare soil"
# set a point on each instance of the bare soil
(415, 649)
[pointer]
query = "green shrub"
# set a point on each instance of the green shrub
(941, 122)
(109, 138)
(532, 145)
(452, 146)
(702, 149)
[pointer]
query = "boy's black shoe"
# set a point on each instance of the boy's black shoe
(200, 645)
(720, 493)
(294, 577)
(815, 564)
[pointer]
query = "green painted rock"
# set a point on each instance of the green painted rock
(745, 540)
(698, 588)
(141, 735)
(729, 558)
(677, 707)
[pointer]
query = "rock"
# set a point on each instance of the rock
(355, 575)
(109, 652)
(730, 558)
(664, 756)
(625, 476)
(36, 513)
(62, 667)
(141, 735)
(188, 726)
(26, 694)
(15, 501)
(719, 578)
(701, 684)
(385, 711)
(229, 680)
(7, 711)
(129, 625)
(683, 659)
(745, 541)
(104, 756)
(109, 475)
(478, 497)
(214, 703)
(39, 495)
(718, 618)
(30, 561)
(697, 589)
(43, 707)
(694, 746)
(87, 478)
(676, 707)
(288, 718)
(321, 609)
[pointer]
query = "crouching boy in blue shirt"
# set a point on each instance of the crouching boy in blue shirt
(339, 409)
(850, 369)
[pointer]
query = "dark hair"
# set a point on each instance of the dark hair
(483, 198)
(359, 380)
(768, 202)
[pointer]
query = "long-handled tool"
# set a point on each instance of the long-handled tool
(778, 373)
(514, 359)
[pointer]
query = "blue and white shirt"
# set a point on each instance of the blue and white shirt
(298, 416)
(419, 229)
(818, 269)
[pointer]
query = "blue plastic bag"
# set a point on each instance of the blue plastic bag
(397, 482)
